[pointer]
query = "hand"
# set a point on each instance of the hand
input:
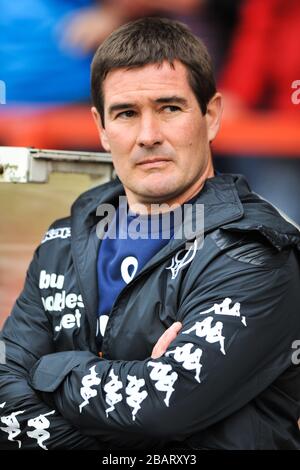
(165, 340)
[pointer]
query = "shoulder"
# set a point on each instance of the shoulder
(85, 204)
(262, 236)
(59, 229)
(249, 247)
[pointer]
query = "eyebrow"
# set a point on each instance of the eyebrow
(119, 107)
(163, 100)
(172, 99)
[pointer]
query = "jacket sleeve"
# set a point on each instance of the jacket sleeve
(239, 322)
(26, 421)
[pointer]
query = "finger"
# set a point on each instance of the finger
(165, 340)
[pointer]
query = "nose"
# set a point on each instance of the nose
(149, 134)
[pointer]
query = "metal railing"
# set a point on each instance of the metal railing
(30, 165)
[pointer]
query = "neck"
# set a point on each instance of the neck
(178, 200)
(195, 188)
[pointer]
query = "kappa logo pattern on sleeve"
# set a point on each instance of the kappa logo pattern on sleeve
(135, 393)
(40, 425)
(188, 359)
(86, 391)
(214, 333)
(163, 376)
(13, 428)
(135, 396)
(111, 389)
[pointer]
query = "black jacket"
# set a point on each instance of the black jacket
(229, 381)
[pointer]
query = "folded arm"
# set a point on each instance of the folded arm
(26, 421)
(230, 348)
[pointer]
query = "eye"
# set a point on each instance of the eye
(171, 108)
(126, 114)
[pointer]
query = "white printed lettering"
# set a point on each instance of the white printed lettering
(69, 321)
(71, 299)
(51, 280)
(60, 301)
(63, 232)
(129, 262)
(101, 324)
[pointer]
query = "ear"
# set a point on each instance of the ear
(100, 128)
(213, 116)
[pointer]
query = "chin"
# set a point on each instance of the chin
(158, 194)
(161, 184)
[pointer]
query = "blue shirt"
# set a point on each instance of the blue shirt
(130, 242)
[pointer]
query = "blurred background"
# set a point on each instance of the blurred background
(46, 47)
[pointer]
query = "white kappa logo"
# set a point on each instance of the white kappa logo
(40, 425)
(190, 360)
(111, 388)
(63, 232)
(86, 391)
(224, 309)
(212, 334)
(135, 396)
(12, 426)
(164, 378)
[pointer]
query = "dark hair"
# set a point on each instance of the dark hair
(149, 41)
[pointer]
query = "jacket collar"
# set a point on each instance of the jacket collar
(227, 201)
(219, 196)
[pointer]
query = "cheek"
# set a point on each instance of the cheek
(189, 132)
(120, 141)
(187, 139)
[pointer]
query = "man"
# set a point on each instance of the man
(224, 375)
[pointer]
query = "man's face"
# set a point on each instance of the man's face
(156, 133)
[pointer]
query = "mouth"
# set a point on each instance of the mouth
(154, 162)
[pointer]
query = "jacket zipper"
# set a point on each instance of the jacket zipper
(130, 285)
